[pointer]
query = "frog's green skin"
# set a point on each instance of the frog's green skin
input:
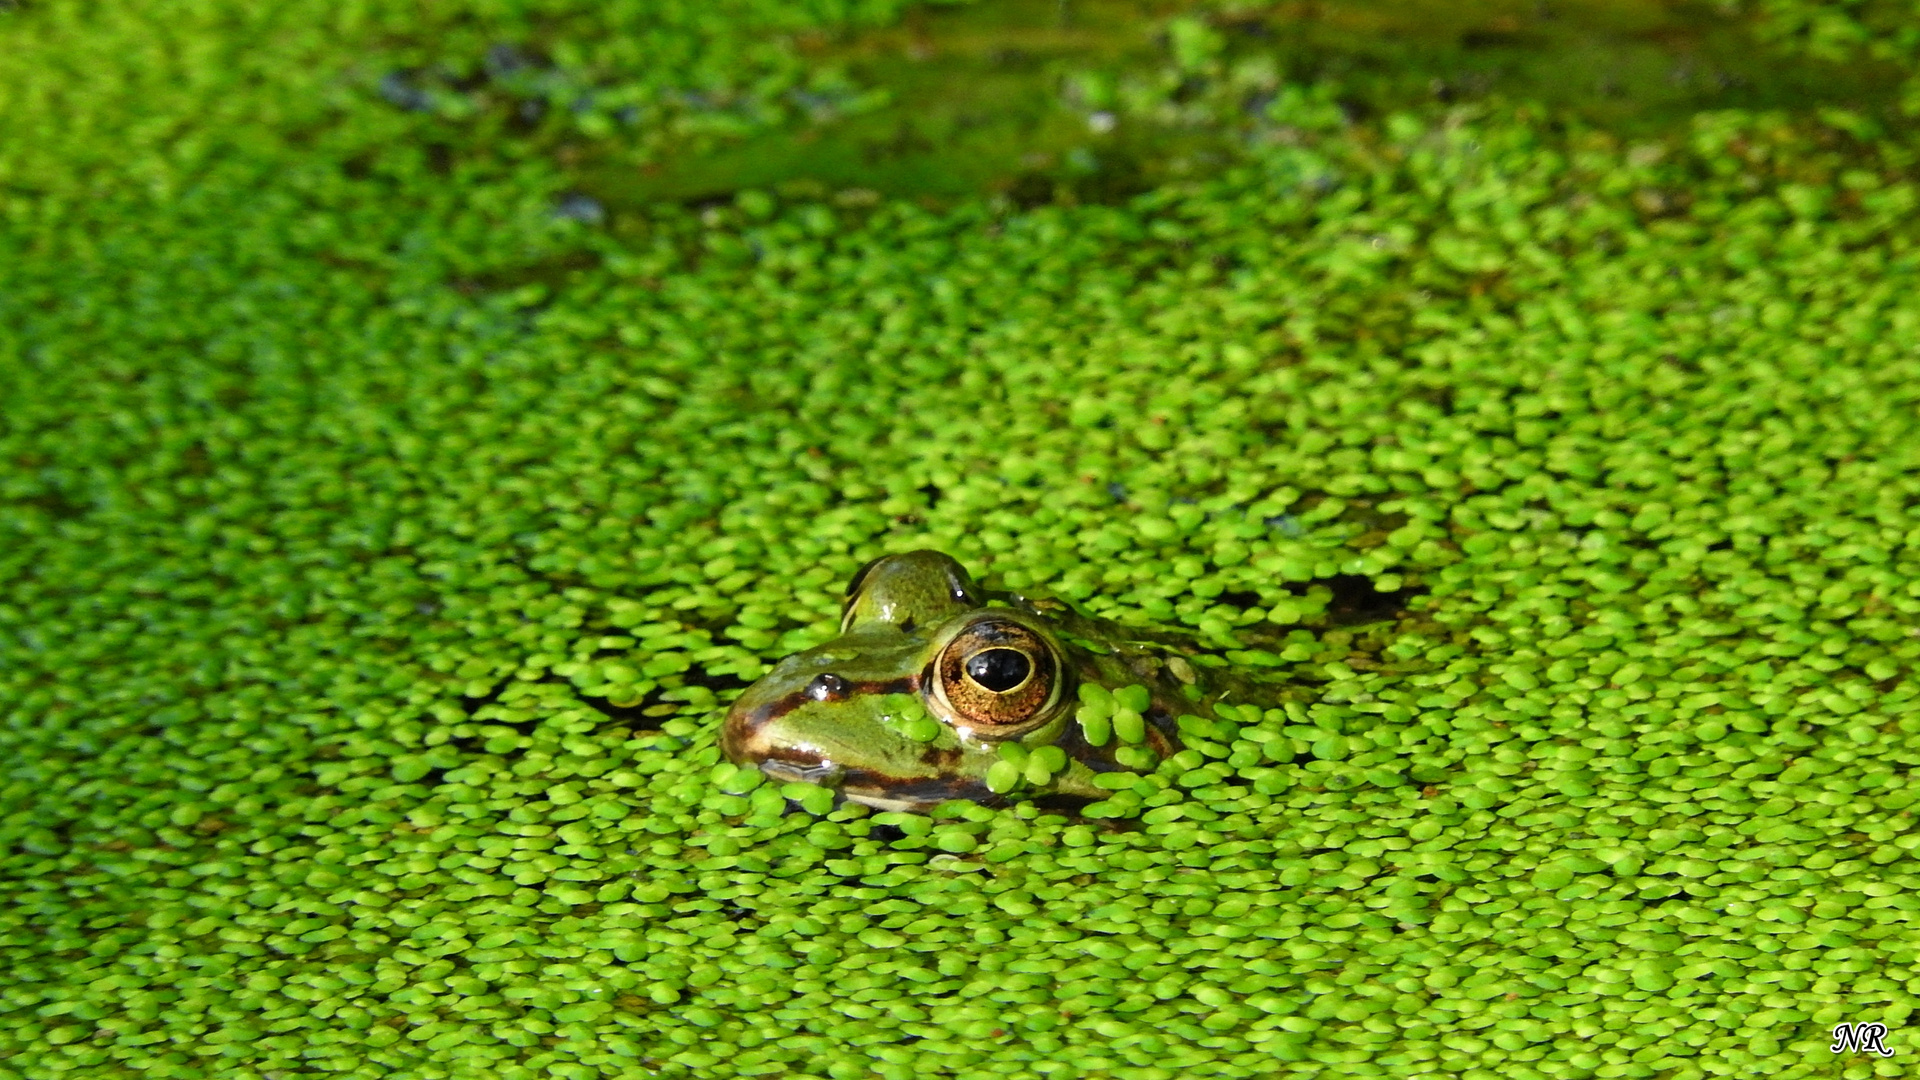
(839, 714)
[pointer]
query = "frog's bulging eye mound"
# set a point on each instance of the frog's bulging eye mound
(860, 576)
(997, 675)
(906, 591)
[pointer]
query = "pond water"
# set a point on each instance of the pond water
(1093, 100)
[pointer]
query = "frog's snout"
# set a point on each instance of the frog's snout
(749, 736)
(743, 735)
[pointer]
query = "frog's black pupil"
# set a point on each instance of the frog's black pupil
(999, 670)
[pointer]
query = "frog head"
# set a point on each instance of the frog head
(927, 682)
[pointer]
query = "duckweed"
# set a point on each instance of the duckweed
(1094, 726)
(385, 536)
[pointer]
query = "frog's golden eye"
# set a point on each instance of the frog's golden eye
(997, 674)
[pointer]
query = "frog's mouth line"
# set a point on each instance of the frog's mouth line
(803, 766)
(866, 786)
(885, 793)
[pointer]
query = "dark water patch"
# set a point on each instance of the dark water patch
(1356, 601)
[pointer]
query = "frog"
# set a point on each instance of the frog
(935, 689)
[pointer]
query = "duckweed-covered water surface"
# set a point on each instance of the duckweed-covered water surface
(391, 509)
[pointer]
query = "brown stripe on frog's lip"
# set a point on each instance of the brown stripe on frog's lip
(920, 791)
(740, 738)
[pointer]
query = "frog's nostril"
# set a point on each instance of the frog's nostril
(827, 686)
